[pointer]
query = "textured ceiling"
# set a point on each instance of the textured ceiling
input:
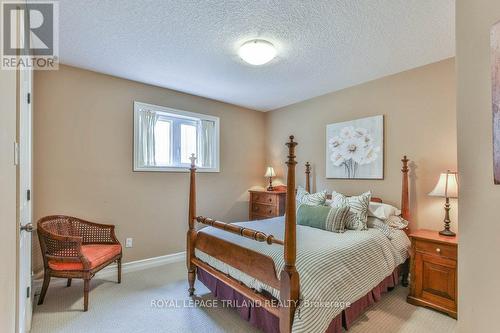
(191, 46)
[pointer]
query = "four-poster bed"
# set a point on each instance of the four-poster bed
(263, 260)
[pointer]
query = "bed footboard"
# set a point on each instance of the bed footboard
(268, 303)
(252, 263)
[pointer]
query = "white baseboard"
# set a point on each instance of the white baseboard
(132, 266)
(140, 265)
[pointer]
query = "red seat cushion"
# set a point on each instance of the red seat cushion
(96, 254)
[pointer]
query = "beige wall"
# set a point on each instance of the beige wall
(420, 121)
(479, 219)
(8, 202)
(83, 126)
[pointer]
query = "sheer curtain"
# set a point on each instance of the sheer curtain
(206, 144)
(147, 123)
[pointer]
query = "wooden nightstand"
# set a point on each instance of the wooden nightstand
(434, 271)
(265, 204)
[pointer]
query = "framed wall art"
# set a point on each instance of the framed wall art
(355, 149)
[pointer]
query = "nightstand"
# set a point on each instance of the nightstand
(434, 271)
(266, 204)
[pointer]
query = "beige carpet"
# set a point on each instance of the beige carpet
(127, 307)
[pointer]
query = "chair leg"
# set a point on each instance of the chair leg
(86, 288)
(45, 286)
(69, 283)
(120, 270)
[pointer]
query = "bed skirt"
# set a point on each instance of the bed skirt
(265, 321)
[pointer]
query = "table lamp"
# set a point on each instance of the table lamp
(270, 174)
(447, 187)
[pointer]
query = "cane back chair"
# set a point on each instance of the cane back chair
(75, 248)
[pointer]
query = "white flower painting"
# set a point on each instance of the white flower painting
(355, 149)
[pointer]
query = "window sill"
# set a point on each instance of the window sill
(185, 170)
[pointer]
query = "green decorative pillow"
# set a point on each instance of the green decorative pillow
(358, 213)
(323, 217)
(312, 199)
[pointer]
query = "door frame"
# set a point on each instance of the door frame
(24, 303)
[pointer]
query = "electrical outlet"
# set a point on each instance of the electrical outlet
(129, 242)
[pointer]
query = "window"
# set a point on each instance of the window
(165, 138)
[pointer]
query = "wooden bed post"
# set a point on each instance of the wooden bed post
(405, 213)
(289, 278)
(405, 200)
(191, 234)
(308, 181)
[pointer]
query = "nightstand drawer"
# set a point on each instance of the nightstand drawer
(260, 217)
(439, 249)
(264, 198)
(264, 210)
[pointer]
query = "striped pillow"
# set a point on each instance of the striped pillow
(323, 217)
(305, 198)
(358, 213)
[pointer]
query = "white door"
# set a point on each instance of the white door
(25, 210)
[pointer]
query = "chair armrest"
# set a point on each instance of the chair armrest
(66, 249)
(62, 248)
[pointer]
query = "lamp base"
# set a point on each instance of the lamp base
(447, 232)
(270, 187)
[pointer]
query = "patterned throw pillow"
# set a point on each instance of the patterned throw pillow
(358, 213)
(323, 217)
(305, 198)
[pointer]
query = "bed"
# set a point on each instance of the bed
(292, 278)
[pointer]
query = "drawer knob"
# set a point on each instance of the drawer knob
(438, 250)
(270, 211)
(270, 199)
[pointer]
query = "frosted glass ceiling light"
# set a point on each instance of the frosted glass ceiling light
(257, 52)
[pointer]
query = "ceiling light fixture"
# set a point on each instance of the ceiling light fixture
(257, 52)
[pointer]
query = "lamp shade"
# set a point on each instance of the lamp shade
(270, 172)
(447, 186)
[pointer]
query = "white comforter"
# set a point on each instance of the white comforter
(335, 269)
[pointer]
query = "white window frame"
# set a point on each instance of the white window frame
(181, 114)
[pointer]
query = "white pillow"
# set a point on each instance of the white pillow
(382, 211)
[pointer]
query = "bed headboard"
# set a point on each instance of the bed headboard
(405, 202)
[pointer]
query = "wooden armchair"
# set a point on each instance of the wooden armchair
(74, 248)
